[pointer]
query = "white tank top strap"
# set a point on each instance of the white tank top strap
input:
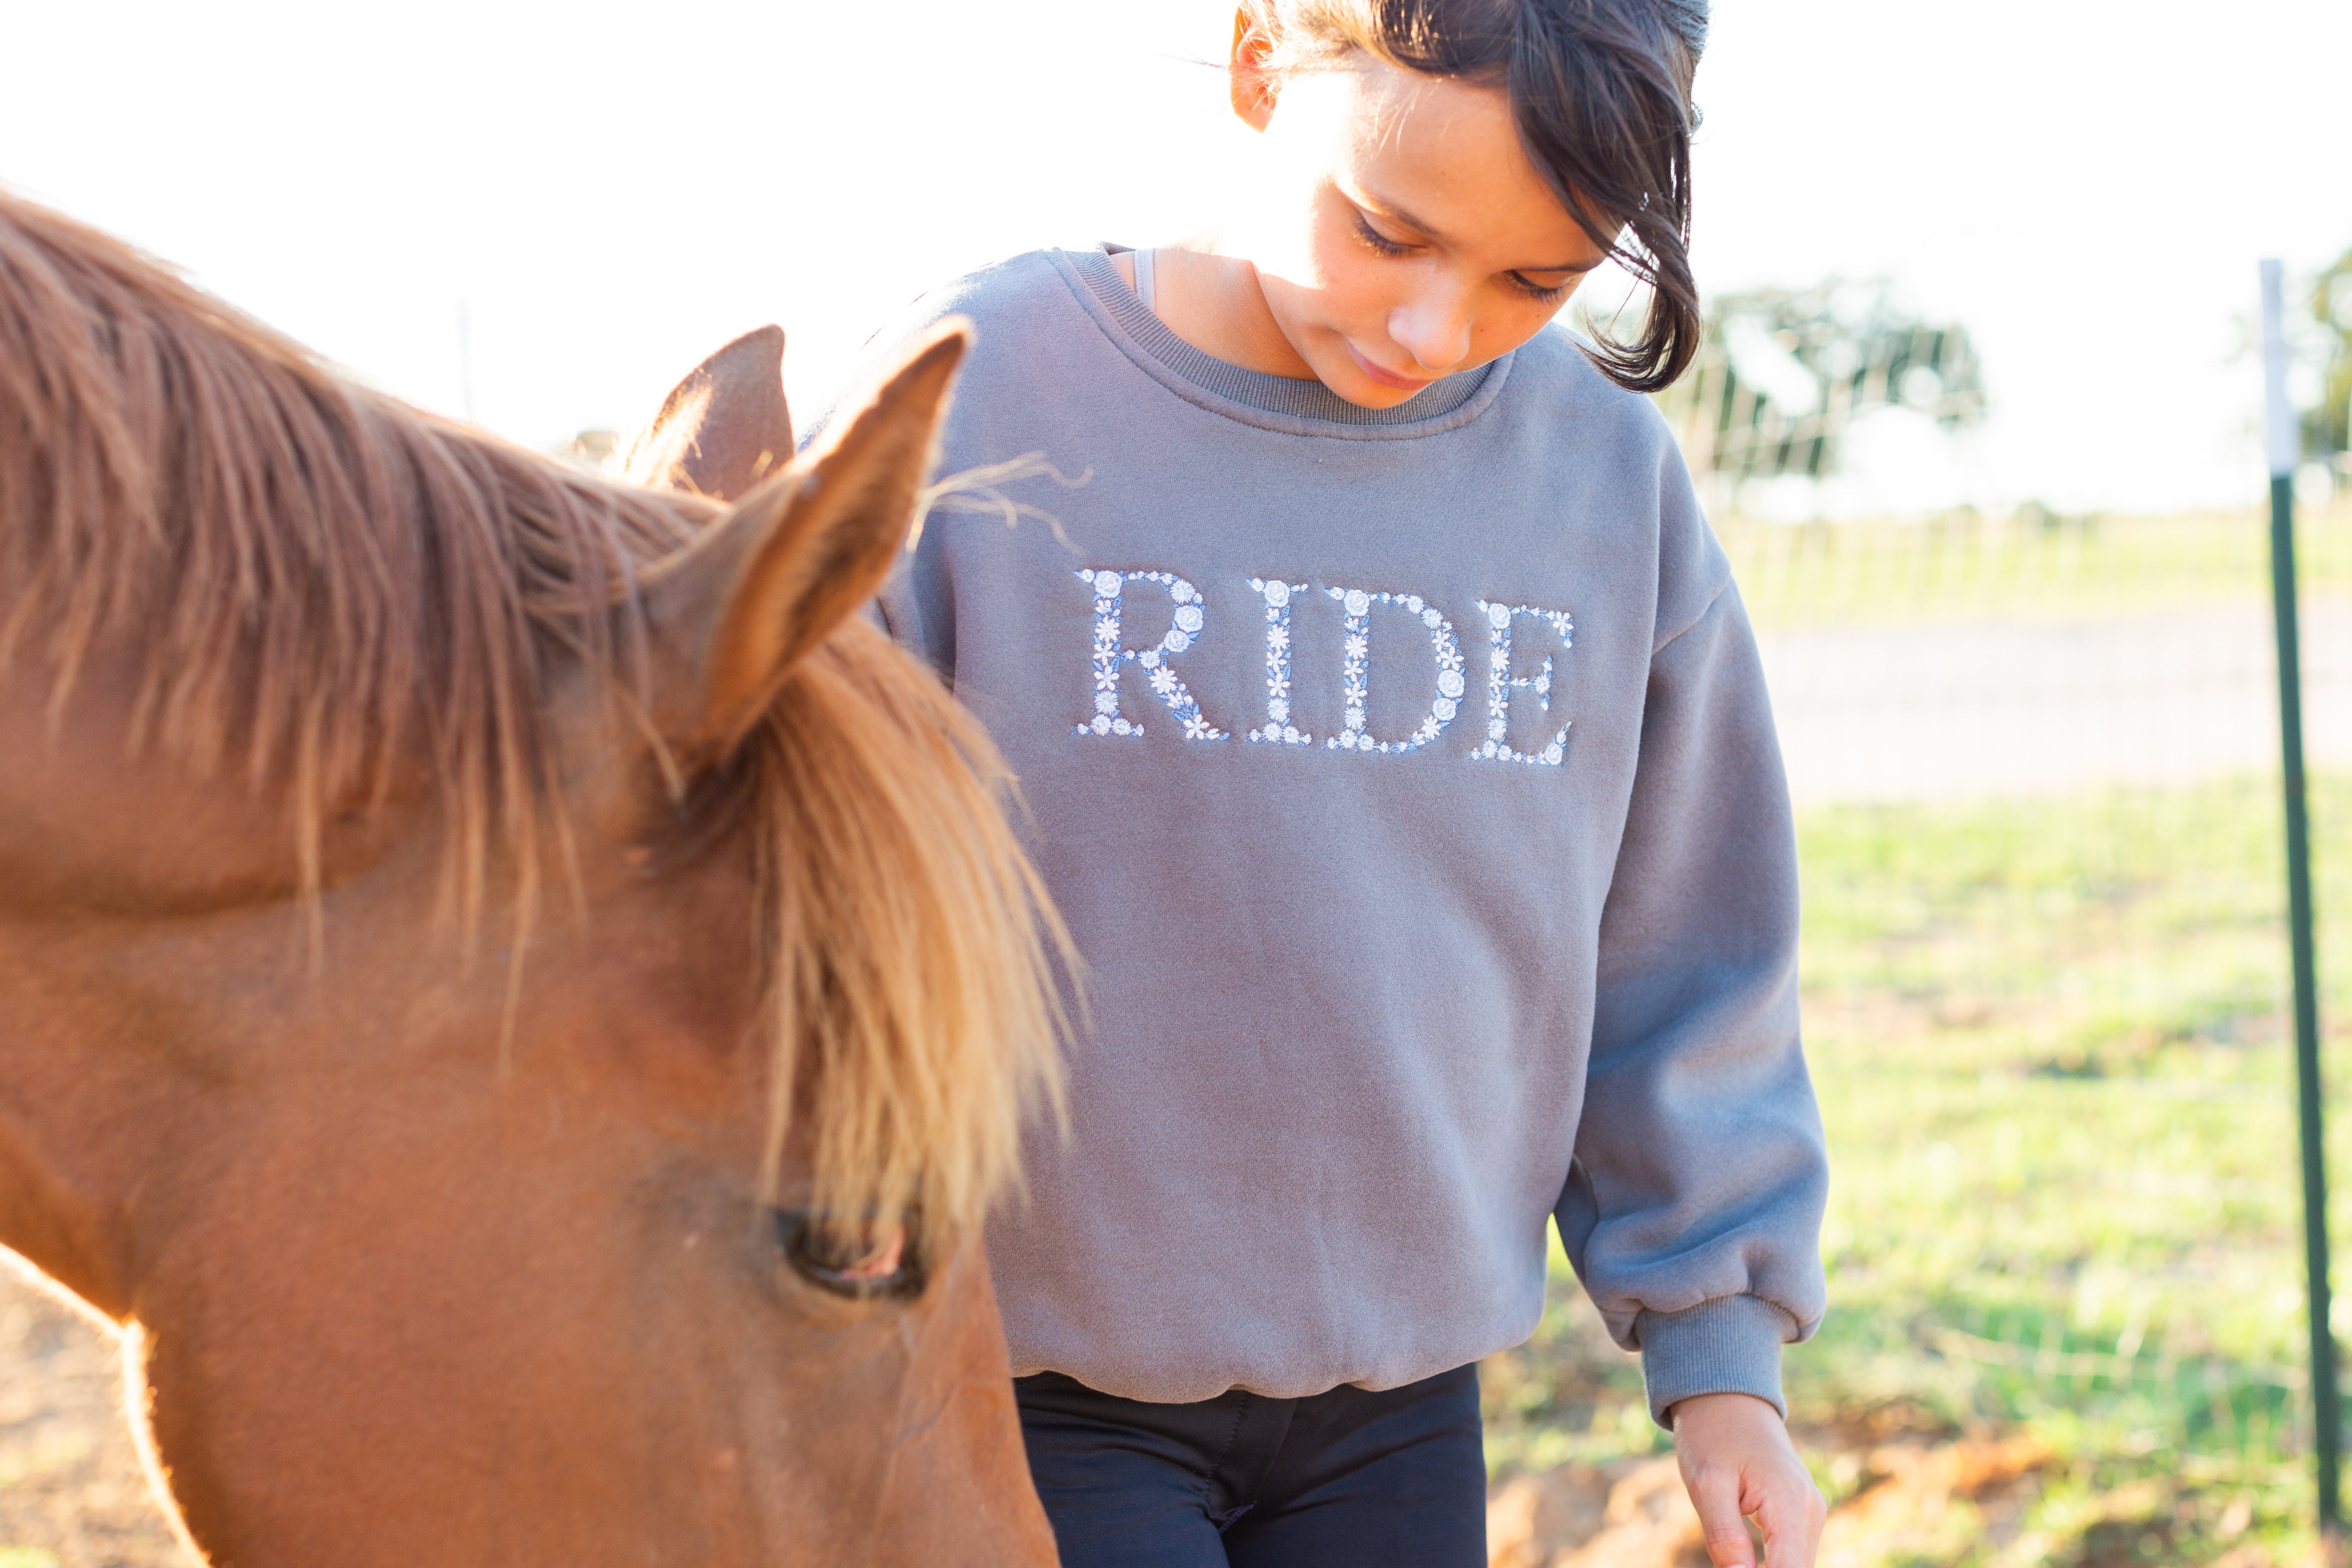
(1144, 289)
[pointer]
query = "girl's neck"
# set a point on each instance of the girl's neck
(1211, 300)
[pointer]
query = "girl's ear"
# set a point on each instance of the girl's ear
(732, 614)
(1252, 84)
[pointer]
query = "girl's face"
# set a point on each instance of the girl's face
(1399, 231)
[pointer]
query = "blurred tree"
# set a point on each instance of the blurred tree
(1781, 373)
(2326, 435)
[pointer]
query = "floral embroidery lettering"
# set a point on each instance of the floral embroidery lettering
(1111, 653)
(1356, 656)
(1278, 727)
(1501, 683)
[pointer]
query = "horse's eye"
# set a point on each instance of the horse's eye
(883, 1261)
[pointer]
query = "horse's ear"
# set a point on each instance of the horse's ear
(722, 429)
(797, 556)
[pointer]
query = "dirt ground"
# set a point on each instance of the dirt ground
(1915, 1503)
(72, 1494)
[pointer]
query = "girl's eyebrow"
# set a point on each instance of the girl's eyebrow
(1395, 214)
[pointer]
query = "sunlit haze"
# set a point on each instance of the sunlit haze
(543, 215)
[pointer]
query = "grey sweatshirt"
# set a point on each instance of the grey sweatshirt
(1408, 782)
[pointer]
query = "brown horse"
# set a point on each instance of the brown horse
(512, 994)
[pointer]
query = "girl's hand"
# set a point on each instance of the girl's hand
(1737, 1462)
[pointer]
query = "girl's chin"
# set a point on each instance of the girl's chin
(1365, 393)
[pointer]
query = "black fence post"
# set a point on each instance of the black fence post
(2285, 449)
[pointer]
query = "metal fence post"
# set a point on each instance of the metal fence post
(2285, 449)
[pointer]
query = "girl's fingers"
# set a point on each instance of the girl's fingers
(1715, 1492)
(1738, 1462)
(1792, 1513)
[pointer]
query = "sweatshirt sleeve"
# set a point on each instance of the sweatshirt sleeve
(1693, 1209)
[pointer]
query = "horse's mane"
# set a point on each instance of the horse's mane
(320, 587)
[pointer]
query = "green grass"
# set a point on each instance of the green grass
(2047, 1040)
(2048, 1037)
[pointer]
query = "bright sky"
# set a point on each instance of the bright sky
(603, 193)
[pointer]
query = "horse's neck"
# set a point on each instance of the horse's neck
(69, 1127)
(150, 925)
(86, 1076)
(127, 1063)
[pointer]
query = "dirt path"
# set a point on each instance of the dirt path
(1944, 710)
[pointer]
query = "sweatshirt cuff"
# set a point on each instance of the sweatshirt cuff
(1728, 1345)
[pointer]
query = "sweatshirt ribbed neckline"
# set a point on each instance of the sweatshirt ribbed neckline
(1284, 397)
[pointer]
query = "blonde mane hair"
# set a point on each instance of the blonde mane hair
(317, 586)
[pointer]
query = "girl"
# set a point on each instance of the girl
(1399, 756)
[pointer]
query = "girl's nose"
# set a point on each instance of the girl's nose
(1434, 327)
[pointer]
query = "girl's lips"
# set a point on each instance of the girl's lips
(1385, 377)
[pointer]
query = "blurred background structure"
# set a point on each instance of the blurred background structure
(1789, 383)
(1978, 420)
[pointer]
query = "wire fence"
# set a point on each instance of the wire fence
(2046, 982)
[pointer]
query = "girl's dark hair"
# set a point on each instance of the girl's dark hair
(1601, 90)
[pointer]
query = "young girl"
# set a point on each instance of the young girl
(1398, 753)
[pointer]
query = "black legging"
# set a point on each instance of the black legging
(1341, 1479)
